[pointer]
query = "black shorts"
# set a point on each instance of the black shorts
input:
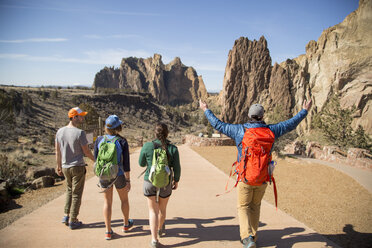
(119, 183)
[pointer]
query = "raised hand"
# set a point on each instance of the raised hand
(203, 105)
(307, 104)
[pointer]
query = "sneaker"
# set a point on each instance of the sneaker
(108, 235)
(249, 243)
(155, 244)
(65, 220)
(129, 226)
(161, 231)
(75, 224)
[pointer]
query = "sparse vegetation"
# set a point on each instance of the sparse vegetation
(11, 171)
(335, 124)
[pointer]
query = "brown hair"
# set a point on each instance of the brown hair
(161, 132)
(114, 131)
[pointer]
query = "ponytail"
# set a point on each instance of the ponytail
(161, 132)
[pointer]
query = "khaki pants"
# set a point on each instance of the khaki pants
(75, 179)
(249, 205)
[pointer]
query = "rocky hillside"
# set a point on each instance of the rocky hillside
(173, 83)
(340, 62)
(33, 115)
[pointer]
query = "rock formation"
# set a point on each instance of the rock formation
(173, 83)
(339, 62)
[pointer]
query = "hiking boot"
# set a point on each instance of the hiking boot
(249, 243)
(161, 231)
(155, 244)
(75, 224)
(65, 220)
(129, 226)
(108, 235)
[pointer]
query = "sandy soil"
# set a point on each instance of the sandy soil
(328, 201)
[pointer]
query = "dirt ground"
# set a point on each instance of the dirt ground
(31, 200)
(326, 200)
(34, 199)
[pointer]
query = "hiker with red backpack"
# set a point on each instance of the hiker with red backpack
(112, 167)
(254, 141)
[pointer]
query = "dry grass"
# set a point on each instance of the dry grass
(323, 198)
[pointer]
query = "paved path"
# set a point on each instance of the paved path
(196, 218)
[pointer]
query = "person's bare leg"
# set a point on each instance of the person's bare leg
(153, 216)
(163, 202)
(123, 195)
(107, 208)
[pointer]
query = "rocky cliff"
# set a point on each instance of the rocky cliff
(340, 62)
(173, 83)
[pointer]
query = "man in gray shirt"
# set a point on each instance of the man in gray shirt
(71, 145)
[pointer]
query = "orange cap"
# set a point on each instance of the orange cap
(76, 111)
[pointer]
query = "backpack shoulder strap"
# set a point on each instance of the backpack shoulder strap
(113, 140)
(156, 145)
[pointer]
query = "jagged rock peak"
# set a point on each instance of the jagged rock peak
(246, 78)
(173, 83)
(338, 63)
(176, 61)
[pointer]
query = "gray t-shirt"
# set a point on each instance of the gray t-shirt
(71, 140)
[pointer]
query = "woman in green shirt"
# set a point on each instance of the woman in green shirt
(157, 209)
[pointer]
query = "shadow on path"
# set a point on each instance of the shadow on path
(197, 231)
(351, 238)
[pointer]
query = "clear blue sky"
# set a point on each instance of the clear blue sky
(66, 42)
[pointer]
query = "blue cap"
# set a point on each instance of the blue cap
(113, 122)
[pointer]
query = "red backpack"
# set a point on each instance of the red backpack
(253, 166)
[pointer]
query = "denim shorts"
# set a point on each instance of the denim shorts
(119, 183)
(150, 190)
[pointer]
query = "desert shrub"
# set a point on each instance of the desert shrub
(205, 121)
(76, 100)
(11, 171)
(55, 94)
(12, 103)
(335, 123)
(43, 94)
(51, 139)
(209, 130)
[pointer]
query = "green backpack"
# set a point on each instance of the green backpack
(160, 171)
(106, 166)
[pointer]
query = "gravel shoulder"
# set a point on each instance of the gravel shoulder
(323, 198)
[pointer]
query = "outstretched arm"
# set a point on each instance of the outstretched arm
(228, 129)
(284, 127)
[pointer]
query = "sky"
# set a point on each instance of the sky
(54, 42)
